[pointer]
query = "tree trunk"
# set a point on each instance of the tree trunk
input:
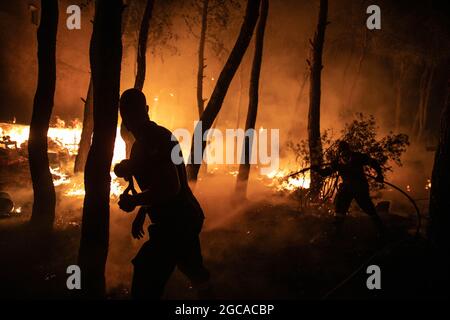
(440, 184)
(398, 83)
(297, 105)
(359, 68)
(241, 89)
(105, 59)
(88, 116)
(315, 143)
(43, 213)
(223, 82)
(142, 45)
(141, 67)
(425, 87)
(202, 66)
(244, 168)
(201, 58)
(86, 132)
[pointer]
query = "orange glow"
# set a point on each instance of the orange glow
(290, 184)
(67, 139)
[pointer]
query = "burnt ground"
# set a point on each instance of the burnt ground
(267, 252)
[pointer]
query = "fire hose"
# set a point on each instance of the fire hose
(418, 214)
(386, 247)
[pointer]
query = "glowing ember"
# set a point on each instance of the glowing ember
(76, 190)
(76, 187)
(66, 138)
(234, 173)
(290, 184)
(59, 178)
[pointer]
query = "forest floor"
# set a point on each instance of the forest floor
(268, 251)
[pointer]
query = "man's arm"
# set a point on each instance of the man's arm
(137, 228)
(166, 186)
(374, 164)
(326, 171)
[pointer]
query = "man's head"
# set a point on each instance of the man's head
(133, 109)
(344, 148)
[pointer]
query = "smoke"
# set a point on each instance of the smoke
(358, 76)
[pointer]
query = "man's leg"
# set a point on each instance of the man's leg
(342, 203)
(153, 266)
(190, 262)
(366, 204)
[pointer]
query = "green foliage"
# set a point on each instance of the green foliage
(221, 16)
(162, 36)
(361, 134)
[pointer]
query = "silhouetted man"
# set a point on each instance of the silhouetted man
(350, 167)
(176, 215)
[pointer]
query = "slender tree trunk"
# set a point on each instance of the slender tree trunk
(201, 67)
(86, 132)
(141, 66)
(425, 86)
(105, 58)
(426, 101)
(88, 116)
(298, 103)
(359, 68)
(399, 78)
(241, 89)
(315, 143)
(223, 82)
(439, 199)
(244, 167)
(417, 126)
(201, 58)
(43, 213)
(142, 45)
(345, 70)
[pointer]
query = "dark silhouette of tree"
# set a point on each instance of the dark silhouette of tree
(201, 58)
(43, 213)
(244, 168)
(315, 145)
(141, 62)
(88, 115)
(86, 132)
(425, 87)
(88, 121)
(105, 59)
(212, 18)
(223, 82)
(440, 185)
(142, 45)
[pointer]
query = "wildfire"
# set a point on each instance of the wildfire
(66, 139)
(59, 178)
(290, 184)
(75, 187)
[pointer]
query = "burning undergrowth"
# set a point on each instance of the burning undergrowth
(234, 230)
